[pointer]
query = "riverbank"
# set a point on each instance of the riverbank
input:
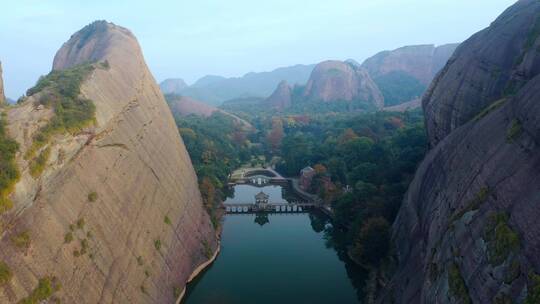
(198, 271)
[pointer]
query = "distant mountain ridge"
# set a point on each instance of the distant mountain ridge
(214, 90)
(387, 79)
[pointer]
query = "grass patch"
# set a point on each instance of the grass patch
(492, 107)
(5, 273)
(9, 173)
(46, 288)
(474, 204)
(92, 196)
(60, 90)
(457, 285)
(533, 288)
(84, 246)
(177, 291)
(22, 240)
(167, 220)
(501, 239)
(157, 244)
(514, 131)
(38, 164)
(80, 223)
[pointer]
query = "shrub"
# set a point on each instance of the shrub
(84, 246)
(9, 173)
(22, 240)
(177, 291)
(501, 239)
(80, 223)
(68, 238)
(157, 244)
(61, 90)
(167, 220)
(479, 198)
(457, 286)
(207, 249)
(514, 131)
(5, 273)
(46, 288)
(92, 196)
(140, 260)
(533, 294)
(38, 164)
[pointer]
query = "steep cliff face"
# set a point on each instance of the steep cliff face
(468, 228)
(340, 81)
(281, 98)
(116, 216)
(2, 96)
(172, 86)
(422, 62)
(493, 63)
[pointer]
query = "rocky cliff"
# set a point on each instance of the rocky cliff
(2, 96)
(467, 231)
(341, 81)
(172, 86)
(422, 62)
(114, 214)
(281, 98)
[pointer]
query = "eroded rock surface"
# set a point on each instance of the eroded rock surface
(468, 228)
(125, 189)
(341, 81)
(422, 62)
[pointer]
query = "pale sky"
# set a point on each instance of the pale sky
(190, 39)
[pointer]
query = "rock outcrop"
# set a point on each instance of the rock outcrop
(281, 98)
(340, 81)
(2, 95)
(116, 216)
(468, 229)
(173, 86)
(422, 62)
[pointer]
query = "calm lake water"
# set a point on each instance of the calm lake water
(277, 258)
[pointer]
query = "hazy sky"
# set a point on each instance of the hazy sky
(190, 39)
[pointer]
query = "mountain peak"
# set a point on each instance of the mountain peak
(282, 96)
(98, 41)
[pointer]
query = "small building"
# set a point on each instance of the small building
(306, 176)
(261, 198)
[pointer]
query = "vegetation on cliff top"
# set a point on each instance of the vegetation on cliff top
(61, 89)
(9, 173)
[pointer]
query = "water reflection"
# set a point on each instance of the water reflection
(279, 258)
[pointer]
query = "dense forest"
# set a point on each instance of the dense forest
(364, 163)
(217, 145)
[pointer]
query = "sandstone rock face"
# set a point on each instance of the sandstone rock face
(340, 81)
(2, 96)
(172, 86)
(491, 64)
(281, 98)
(422, 62)
(134, 162)
(470, 216)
